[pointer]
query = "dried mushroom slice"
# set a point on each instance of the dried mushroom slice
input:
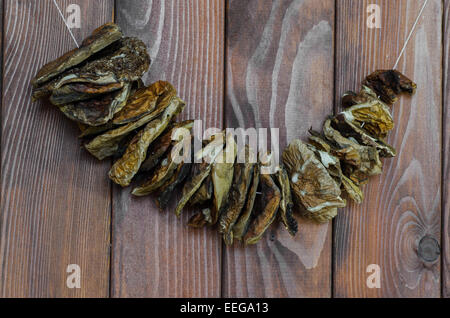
(81, 91)
(201, 172)
(271, 198)
(100, 39)
(365, 160)
(353, 191)
(126, 61)
(106, 145)
(242, 224)
(330, 162)
(200, 219)
(165, 193)
(222, 176)
(374, 116)
(144, 102)
(242, 180)
(389, 83)
(203, 194)
(97, 111)
(164, 172)
(124, 169)
(312, 185)
(333, 166)
(162, 144)
(286, 204)
(349, 130)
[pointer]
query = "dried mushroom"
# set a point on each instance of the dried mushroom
(200, 172)
(364, 160)
(349, 130)
(165, 193)
(389, 83)
(106, 145)
(162, 144)
(125, 61)
(144, 101)
(312, 186)
(164, 172)
(242, 179)
(81, 91)
(242, 224)
(124, 169)
(100, 38)
(222, 176)
(373, 115)
(271, 197)
(200, 219)
(97, 111)
(286, 203)
(204, 193)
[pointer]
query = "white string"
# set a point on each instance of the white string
(68, 28)
(410, 34)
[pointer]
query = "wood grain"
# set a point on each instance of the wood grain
(446, 155)
(154, 253)
(402, 207)
(279, 74)
(55, 198)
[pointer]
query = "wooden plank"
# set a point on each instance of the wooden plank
(55, 198)
(155, 254)
(446, 155)
(280, 74)
(398, 226)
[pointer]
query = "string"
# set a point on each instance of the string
(67, 26)
(410, 34)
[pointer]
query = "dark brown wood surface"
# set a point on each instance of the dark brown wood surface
(446, 155)
(279, 74)
(398, 226)
(272, 63)
(55, 202)
(154, 253)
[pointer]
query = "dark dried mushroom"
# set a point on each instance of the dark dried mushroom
(97, 111)
(165, 193)
(74, 92)
(364, 160)
(286, 203)
(200, 219)
(270, 197)
(242, 224)
(349, 130)
(200, 172)
(164, 172)
(162, 144)
(100, 39)
(389, 83)
(204, 193)
(125, 61)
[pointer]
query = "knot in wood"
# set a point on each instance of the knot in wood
(429, 249)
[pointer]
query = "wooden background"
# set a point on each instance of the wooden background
(252, 63)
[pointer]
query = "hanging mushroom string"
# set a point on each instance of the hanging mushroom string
(99, 86)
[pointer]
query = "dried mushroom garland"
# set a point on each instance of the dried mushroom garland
(99, 86)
